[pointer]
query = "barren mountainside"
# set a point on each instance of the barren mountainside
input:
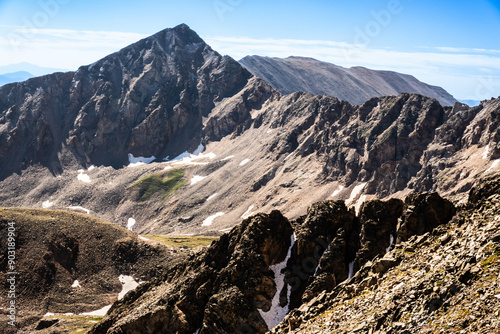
(68, 138)
(356, 84)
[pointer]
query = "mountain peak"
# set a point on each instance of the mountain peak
(183, 32)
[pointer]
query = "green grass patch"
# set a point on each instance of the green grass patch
(182, 241)
(75, 324)
(165, 183)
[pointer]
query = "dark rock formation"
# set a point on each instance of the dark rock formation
(231, 285)
(218, 290)
(423, 213)
(356, 85)
(442, 274)
(147, 100)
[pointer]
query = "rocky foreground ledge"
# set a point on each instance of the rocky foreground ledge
(410, 266)
(443, 281)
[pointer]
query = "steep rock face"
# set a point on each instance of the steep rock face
(221, 289)
(386, 139)
(321, 247)
(356, 85)
(427, 284)
(423, 214)
(147, 100)
(249, 279)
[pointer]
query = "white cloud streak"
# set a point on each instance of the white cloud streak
(60, 48)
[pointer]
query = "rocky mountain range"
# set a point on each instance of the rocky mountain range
(82, 139)
(316, 200)
(356, 84)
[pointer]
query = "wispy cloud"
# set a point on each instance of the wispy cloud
(464, 50)
(58, 47)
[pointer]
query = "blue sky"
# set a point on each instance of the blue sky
(453, 44)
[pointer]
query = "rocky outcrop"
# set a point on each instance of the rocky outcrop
(221, 289)
(249, 279)
(423, 214)
(430, 283)
(356, 85)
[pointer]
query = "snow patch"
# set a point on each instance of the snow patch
(128, 284)
(190, 159)
(210, 220)
(351, 270)
(138, 161)
(288, 156)
(360, 201)
(336, 192)
(142, 238)
(391, 242)
(76, 284)
(486, 152)
(83, 177)
(493, 165)
(355, 192)
(47, 204)
(79, 208)
(211, 197)
(226, 230)
(228, 158)
(91, 168)
(277, 313)
(49, 314)
(244, 162)
(130, 223)
(248, 213)
(196, 178)
(98, 313)
(199, 150)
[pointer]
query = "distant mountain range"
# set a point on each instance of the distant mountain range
(14, 77)
(30, 68)
(23, 71)
(356, 84)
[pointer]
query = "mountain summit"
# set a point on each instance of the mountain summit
(148, 99)
(356, 84)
